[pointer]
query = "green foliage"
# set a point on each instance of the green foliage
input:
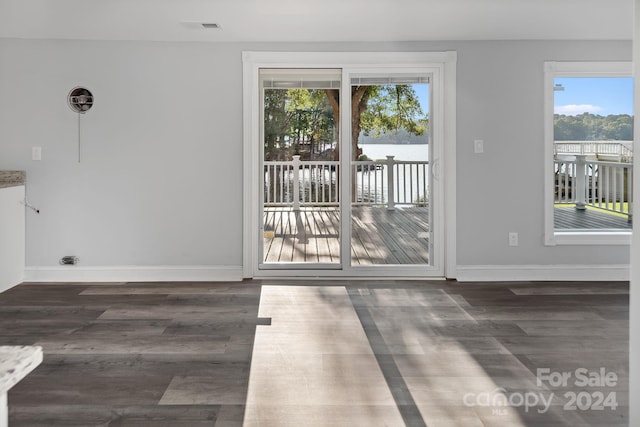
(295, 118)
(275, 121)
(593, 127)
(301, 121)
(391, 108)
(311, 116)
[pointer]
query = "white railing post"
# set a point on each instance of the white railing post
(296, 183)
(628, 173)
(581, 178)
(391, 194)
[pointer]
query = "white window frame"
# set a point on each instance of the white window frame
(552, 70)
(350, 62)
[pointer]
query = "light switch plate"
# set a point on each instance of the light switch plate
(478, 146)
(36, 153)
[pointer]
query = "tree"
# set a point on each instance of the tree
(294, 118)
(311, 118)
(379, 109)
(394, 108)
(275, 123)
(593, 127)
(307, 116)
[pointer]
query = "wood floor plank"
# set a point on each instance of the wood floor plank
(356, 353)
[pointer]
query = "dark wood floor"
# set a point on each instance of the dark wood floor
(379, 236)
(570, 218)
(304, 353)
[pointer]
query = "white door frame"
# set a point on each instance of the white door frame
(442, 66)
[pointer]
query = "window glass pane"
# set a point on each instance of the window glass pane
(593, 153)
(390, 171)
(301, 200)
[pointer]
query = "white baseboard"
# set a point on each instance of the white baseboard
(164, 273)
(6, 285)
(516, 273)
(465, 273)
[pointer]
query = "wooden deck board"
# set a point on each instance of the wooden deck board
(365, 249)
(379, 236)
(391, 239)
(570, 218)
(406, 235)
(368, 244)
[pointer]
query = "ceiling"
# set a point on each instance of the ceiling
(318, 20)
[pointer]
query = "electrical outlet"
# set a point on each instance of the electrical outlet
(69, 260)
(513, 239)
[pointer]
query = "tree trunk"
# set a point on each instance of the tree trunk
(359, 98)
(333, 95)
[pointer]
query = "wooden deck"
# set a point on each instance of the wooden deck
(379, 236)
(570, 218)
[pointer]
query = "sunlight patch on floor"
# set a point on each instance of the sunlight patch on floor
(315, 366)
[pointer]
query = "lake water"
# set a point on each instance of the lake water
(411, 182)
(418, 152)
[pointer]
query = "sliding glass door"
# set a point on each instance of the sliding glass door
(343, 163)
(384, 165)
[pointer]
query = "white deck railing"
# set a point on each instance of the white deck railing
(387, 183)
(621, 151)
(391, 182)
(295, 183)
(602, 184)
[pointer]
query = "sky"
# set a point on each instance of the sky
(595, 95)
(422, 91)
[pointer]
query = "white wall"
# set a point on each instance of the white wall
(160, 178)
(634, 304)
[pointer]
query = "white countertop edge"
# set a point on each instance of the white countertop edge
(16, 362)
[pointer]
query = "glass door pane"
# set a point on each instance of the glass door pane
(390, 171)
(300, 162)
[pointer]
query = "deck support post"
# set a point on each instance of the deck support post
(581, 181)
(391, 194)
(296, 183)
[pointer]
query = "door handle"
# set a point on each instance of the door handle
(435, 169)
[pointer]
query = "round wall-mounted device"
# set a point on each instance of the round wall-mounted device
(80, 100)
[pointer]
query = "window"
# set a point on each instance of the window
(588, 152)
